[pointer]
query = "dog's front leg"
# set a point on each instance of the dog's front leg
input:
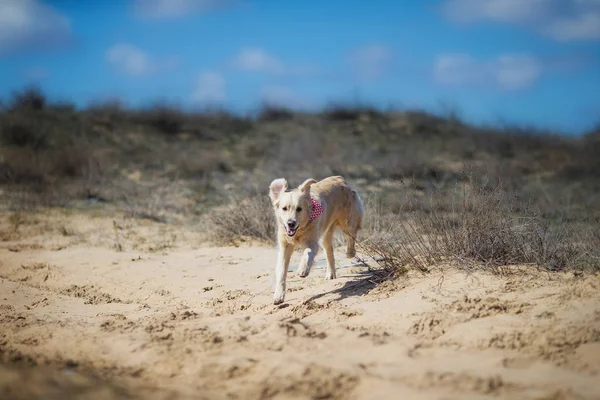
(308, 257)
(283, 262)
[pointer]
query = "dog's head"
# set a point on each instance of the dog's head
(292, 208)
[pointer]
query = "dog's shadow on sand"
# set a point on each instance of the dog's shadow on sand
(358, 284)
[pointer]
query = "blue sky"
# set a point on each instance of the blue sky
(534, 62)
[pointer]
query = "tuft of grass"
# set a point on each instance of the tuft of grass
(118, 244)
(242, 219)
(66, 230)
(16, 219)
(166, 241)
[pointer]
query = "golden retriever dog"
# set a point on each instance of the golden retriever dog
(308, 216)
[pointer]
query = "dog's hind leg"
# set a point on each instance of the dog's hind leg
(353, 225)
(283, 261)
(350, 229)
(308, 257)
(327, 244)
(350, 244)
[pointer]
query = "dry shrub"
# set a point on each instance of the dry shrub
(19, 130)
(162, 117)
(273, 112)
(23, 166)
(350, 112)
(30, 98)
(75, 161)
(202, 164)
(30, 167)
(484, 228)
(243, 218)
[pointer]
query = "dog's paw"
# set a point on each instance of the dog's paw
(330, 275)
(351, 253)
(279, 293)
(303, 272)
(278, 298)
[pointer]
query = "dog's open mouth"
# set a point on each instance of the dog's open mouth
(290, 231)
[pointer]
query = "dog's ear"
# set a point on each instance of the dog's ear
(275, 189)
(305, 187)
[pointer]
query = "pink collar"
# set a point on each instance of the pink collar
(317, 209)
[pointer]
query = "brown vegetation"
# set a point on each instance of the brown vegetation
(438, 189)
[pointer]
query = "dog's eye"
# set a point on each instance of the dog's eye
(284, 208)
(299, 209)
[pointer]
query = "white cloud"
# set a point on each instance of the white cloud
(371, 62)
(565, 20)
(31, 24)
(255, 59)
(135, 62)
(129, 59)
(210, 88)
(507, 72)
(585, 26)
(496, 10)
(515, 71)
(457, 69)
(156, 9)
(258, 60)
(284, 96)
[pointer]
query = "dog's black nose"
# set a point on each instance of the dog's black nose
(291, 223)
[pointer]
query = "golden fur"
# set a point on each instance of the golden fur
(342, 208)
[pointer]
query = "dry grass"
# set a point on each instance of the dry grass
(531, 197)
(244, 218)
(483, 228)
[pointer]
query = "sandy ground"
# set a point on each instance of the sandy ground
(88, 314)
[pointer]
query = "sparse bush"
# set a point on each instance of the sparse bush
(341, 112)
(30, 99)
(483, 229)
(414, 166)
(202, 164)
(23, 131)
(75, 161)
(29, 167)
(23, 166)
(242, 219)
(586, 163)
(106, 114)
(164, 118)
(271, 112)
(426, 124)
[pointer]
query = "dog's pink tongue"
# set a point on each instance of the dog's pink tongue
(289, 231)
